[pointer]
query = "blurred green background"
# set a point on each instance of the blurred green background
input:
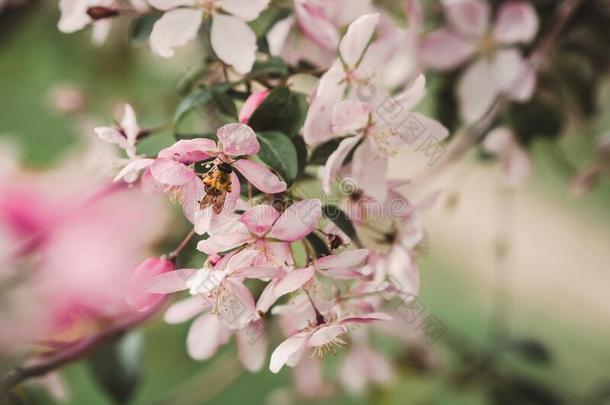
(456, 285)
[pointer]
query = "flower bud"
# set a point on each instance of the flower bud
(100, 12)
(136, 296)
(251, 105)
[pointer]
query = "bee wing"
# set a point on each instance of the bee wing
(207, 201)
(219, 202)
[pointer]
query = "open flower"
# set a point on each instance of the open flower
(340, 266)
(173, 169)
(353, 68)
(232, 39)
(263, 229)
(125, 135)
(499, 67)
(373, 136)
(322, 337)
(219, 287)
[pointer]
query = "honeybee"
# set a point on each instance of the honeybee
(217, 182)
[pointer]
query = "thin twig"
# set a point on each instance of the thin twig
(74, 351)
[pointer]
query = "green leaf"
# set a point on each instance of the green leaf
(283, 111)
(318, 244)
(301, 148)
(116, 366)
(224, 102)
(141, 29)
(339, 218)
(274, 67)
(320, 154)
(194, 101)
(279, 153)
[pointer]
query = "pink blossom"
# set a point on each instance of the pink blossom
(499, 67)
(363, 366)
(374, 136)
(232, 39)
(173, 170)
(218, 286)
(75, 15)
(126, 135)
(263, 229)
(321, 338)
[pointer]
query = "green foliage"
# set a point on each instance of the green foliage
(141, 28)
(279, 152)
(116, 367)
(283, 110)
(339, 218)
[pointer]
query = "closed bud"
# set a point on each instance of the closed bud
(136, 296)
(100, 12)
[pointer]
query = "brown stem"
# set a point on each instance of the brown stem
(75, 351)
(174, 254)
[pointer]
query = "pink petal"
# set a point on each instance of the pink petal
(252, 346)
(267, 297)
(411, 97)
(298, 221)
(206, 335)
(259, 176)
(174, 29)
(499, 141)
(260, 218)
(185, 309)
(432, 128)
(289, 351)
(250, 106)
(191, 195)
(224, 242)
(515, 77)
(402, 270)
(317, 127)
(326, 334)
(238, 140)
(234, 42)
(171, 173)
(315, 25)
(129, 124)
(293, 280)
(357, 38)
(346, 259)
(243, 301)
(468, 17)
(335, 161)
(74, 15)
(278, 35)
(136, 296)
(189, 151)
(246, 10)
(350, 116)
(131, 171)
(165, 5)
(241, 260)
(517, 22)
(258, 272)
(366, 318)
(368, 167)
(170, 282)
(445, 50)
(477, 90)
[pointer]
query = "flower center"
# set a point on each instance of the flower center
(332, 345)
(208, 6)
(487, 45)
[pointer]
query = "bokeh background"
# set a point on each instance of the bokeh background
(555, 280)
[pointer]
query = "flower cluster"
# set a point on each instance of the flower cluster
(255, 190)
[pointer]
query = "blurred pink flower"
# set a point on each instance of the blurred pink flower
(516, 162)
(499, 67)
(149, 268)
